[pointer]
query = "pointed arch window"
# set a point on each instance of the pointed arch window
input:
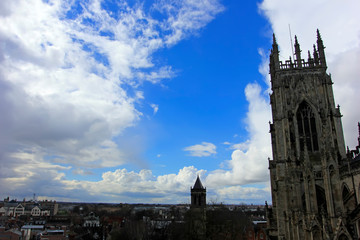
(316, 233)
(321, 199)
(345, 193)
(307, 128)
(343, 237)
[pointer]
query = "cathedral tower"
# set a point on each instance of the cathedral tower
(308, 151)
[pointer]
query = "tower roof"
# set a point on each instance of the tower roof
(198, 184)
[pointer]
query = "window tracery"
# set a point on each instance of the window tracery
(307, 128)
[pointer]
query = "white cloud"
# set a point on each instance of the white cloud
(204, 149)
(243, 146)
(155, 107)
(62, 72)
(122, 185)
(82, 172)
(187, 16)
(249, 164)
(247, 194)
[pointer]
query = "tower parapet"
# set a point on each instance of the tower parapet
(316, 61)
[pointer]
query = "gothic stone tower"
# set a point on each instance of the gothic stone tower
(308, 150)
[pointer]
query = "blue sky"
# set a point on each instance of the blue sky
(127, 101)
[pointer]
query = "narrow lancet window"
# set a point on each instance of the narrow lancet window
(307, 128)
(321, 200)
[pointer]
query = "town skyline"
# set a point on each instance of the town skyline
(129, 101)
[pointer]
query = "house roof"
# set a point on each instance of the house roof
(10, 204)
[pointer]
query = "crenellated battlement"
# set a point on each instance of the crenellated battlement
(290, 65)
(316, 60)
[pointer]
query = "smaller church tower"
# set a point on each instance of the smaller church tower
(197, 212)
(198, 194)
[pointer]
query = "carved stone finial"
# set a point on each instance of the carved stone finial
(310, 60)
(297, 53)
(321, 48)
(316, 56)
(318, 34)
(358, 147)
(274, 39)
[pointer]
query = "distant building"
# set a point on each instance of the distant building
(14, 208)
(256, 231)
(10, 234)
(55, 234)
(91, 221)
(35, 211)
(31, 231)
(315, 182)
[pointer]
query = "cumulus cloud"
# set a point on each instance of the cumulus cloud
(244, 194)
(142, 186)
(243, 146)
(248, 163)
(204, 149)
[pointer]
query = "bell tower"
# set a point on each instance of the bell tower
(308, 148)
(197, 214)
(198, 195)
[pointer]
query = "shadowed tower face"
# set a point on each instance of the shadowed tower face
(308, 147)
(198, 194)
